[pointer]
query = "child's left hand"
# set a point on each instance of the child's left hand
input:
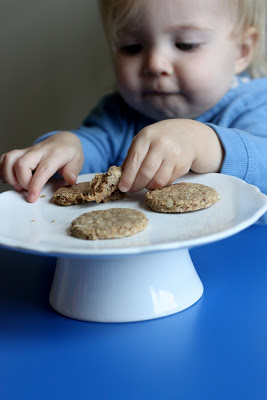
(162, 152)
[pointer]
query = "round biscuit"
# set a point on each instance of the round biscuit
(181, 197)
(112, 223)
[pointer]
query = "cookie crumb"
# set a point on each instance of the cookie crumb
(42, 196)
(53, 221)
(33, 220)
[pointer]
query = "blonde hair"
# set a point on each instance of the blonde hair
(253, 14)
(116, 14)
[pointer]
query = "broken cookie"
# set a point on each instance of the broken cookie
(102, 188)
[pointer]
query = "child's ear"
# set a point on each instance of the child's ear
(246, 49)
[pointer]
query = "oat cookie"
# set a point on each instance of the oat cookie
(102, 188)
(74, 194)
(112, 223)
(181, 197)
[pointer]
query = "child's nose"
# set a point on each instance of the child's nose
(157, 64)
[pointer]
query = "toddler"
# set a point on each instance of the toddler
(191, 95)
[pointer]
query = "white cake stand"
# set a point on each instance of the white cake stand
(145, 276)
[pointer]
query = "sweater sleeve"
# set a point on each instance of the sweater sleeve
(245, 145)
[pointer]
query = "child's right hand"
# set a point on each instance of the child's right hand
(32, 167)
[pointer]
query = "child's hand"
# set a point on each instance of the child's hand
(61, 152)
(162, 152)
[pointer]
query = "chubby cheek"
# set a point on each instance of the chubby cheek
(125, 78)
(196, 76)
(207, 84)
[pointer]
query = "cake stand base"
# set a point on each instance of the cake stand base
(124, 289)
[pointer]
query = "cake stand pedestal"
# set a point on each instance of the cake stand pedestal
(127, 288)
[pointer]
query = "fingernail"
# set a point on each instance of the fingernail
(73, 176)
(123, 188)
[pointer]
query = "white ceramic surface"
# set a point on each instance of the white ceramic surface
(42, 227)
(145, 276)
(131, 288)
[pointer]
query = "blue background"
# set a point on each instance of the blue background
(216, 349)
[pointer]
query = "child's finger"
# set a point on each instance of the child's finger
(130, 169)
(48, 167)
(25, 166)
(1, 165)
(147, 171)
(8, 173)
(45, 170)
(72, 170)
(132, 164)
(177, 173)
(163, 176)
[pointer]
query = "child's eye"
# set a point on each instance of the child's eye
(131, 49)
(186, 46)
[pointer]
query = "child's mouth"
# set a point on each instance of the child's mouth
(159, 93)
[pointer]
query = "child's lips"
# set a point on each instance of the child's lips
(160, 93)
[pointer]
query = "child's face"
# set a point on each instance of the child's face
(177, 58)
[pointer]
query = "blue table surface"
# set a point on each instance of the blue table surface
(216, 349)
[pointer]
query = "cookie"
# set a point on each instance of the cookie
(181, 197)
(74, 194)
(112, 223)
(102, 188)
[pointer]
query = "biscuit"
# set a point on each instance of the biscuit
(74, 194)
(102, 188)
(112, 223)
(181, 197)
